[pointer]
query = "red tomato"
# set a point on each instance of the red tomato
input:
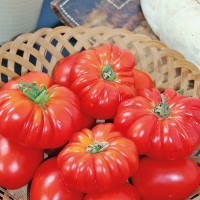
(37, 77)
(102, 78)
(97, 160)
(47, 184)
(163, 126)
(166, 180)
(62, 70)
(39, 118)
(87, 122)
(53, 152)
(17, 163)
(142, 80)
(125, 191)
(61, 76)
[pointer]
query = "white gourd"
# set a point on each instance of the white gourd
(177, 24)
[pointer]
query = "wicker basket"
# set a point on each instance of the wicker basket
(43, 49)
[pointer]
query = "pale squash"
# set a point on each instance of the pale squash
(177, 24)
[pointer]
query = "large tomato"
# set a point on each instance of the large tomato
(125, 191)
(17, 163)
(40, 78)
(37, 118)
(103, 77)
(97, 160)
(163, 126)
(47, 184)
(166, 180)
(61, 71)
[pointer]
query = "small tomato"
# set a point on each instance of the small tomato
(166, 180)
(61, 71)
(125, 191)
(17, 163)
(47, 184)
(142, 80)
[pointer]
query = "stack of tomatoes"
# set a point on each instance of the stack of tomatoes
(109, 133)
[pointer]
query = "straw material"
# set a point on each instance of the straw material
(43, 49)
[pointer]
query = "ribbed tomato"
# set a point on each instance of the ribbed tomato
(163, 126)
(102, 78)
(97, 160)
(41, 118)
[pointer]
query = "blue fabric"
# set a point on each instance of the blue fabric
(48, 18)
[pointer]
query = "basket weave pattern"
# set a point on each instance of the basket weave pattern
(43, 49)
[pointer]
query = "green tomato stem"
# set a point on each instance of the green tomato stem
(38, 96)
(107, 73)
(162, 110)
(97, 147)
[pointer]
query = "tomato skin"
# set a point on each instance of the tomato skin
(172, 137)
(87, 122)
(62, 70)
(142, 80)
(47, 184)
(35, 126)
(103, 170)
(125, 191)
(61, 76)
(18, 163)
(34, 76)
(166, 180)
(100, 97)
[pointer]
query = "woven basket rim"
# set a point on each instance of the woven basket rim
(108, 30)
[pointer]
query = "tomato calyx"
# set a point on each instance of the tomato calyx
(38, 96)
(107, 73)
(97, 147)
(162, 110)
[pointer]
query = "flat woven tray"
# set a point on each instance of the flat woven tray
(43, 49)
